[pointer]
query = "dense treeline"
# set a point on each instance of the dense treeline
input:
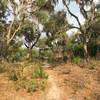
(23, 23)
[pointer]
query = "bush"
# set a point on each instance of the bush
(14, 72)
(51, 60)
(13, 76)
(39, 73)
(76, 60)
(46, 54)
(78, 50)
(31, 82)
(35, 53)
(2, 68)
(29, 85)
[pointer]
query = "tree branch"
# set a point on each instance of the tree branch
(35, 41)
(73, 15)
(9, 30)
(75, 27)
(15, 32)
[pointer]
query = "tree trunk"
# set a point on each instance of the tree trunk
(85, 51)
(30, 54)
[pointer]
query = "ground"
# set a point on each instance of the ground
(65, 82)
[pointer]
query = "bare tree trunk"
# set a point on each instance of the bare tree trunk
(86, 52)
(30, 54)
(9, 36)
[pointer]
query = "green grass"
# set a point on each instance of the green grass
(39, 73)
(76, 60)
(2, 68)
(34, 81)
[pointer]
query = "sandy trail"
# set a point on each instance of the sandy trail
(54, 92)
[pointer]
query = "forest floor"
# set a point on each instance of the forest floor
(65, 82)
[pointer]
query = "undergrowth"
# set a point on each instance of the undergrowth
(32, 80)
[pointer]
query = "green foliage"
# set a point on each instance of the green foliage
(1, 29)
(77, 46)
(51, 60)
(2, 68)
(42, 42)
(35, 53)
(13, 76)
(14, 73)
(43, 16)
(65, 58)
(31, 81)
(46, 54)
(57, 23)
(76, 60)
(41, 2)
(39, 73)
(96, 25)
(15, 52)
(16, 57)
(56, 61)
(29, 85)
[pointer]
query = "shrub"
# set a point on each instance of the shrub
(35, 53)
(31, 82)
(29, 85)
(39, 73)
(76, 60)
(13, 76)
(51, 60)
(2, 68)
(14, 72)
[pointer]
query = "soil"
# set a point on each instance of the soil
(65, 82)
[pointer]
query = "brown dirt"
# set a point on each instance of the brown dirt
(65, 82)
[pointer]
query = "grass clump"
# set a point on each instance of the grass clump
(29, 85)
(31, 78)
(39, 73)
(15, 73)
(2, 68)
(76, 60)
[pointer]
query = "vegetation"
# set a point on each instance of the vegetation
(39, 73)
(55, 25)
(33, 34)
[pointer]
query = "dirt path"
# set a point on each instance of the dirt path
(54, 92)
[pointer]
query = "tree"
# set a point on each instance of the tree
(94, 44)
(90, 18)
(55, 29)
(31, 38)
(19, 11)
(3, 16)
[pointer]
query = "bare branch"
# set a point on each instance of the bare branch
(73, 15)
(75, 27)
(9, 30)
(15, 33)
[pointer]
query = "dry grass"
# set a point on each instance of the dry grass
(73, 82)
